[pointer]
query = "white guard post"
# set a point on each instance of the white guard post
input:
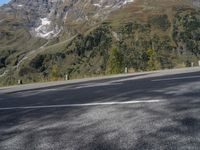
(67, 77)
(126, 70)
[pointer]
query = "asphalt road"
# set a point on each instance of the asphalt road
(152, 111)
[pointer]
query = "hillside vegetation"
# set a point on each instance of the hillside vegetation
(147, 35)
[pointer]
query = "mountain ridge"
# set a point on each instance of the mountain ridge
(47, 18)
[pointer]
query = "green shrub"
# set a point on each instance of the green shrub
(115, 62)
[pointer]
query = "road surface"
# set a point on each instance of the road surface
(148, 111)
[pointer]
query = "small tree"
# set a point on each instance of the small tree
(115, 62)
(153, 63)
(55, 72)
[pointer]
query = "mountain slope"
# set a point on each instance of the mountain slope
(88, 37)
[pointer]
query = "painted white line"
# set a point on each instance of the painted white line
(178, 78)
(83, 105)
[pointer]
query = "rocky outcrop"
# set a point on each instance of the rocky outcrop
(47, 18)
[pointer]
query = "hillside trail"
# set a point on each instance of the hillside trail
(29, 54)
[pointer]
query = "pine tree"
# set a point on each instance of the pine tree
(115, 62)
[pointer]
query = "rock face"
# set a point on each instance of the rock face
(196, 3)
(47, 18)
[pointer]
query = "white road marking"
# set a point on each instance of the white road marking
(83, 105)
(178, 78)
(96, 85)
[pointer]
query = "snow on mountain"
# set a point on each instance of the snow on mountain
(44, 29)
(47, 17)
(107, 4)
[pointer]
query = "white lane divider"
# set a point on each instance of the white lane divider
(178, 78)
(82, 105)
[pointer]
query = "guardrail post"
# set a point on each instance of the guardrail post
(19, 81)
(66, 77)
(126, 70)
(192, 64)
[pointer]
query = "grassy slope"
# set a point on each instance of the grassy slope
(142, 10)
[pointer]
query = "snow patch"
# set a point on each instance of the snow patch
(20, 5)
(115, 35)
(105, 4)
(97, 5)
(128, 1)
(45, 30)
